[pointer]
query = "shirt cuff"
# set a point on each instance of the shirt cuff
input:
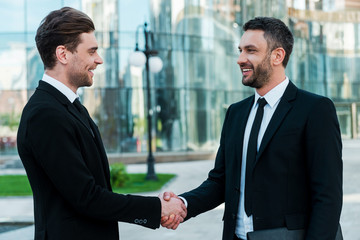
(184, 200)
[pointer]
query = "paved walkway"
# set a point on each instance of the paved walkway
(207, 225)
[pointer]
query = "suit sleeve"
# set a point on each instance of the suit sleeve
(53, 140)
(211, 192)
(324, 161)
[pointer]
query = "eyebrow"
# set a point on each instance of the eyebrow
(93, 49)
(247, 46)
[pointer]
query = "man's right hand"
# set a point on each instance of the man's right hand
(173, 210)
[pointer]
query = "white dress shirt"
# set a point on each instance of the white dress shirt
(61, 87)
(244, 224)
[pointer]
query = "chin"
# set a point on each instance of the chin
(247, 82)
(89, 82)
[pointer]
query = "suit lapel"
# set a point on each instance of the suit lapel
(97, 138)
(280, 113)
(63, 100)
(241, 120)
(71, 108)
(101, 148)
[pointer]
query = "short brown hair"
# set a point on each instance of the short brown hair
(61, 27)
(276, 33)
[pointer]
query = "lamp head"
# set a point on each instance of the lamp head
(155, 64)
(137, 58)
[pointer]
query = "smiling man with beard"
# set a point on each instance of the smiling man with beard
(279, 164)
(257, 75)
(61, 147)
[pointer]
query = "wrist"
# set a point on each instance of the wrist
(184, 201)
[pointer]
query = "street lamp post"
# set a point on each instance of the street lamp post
(153, 64)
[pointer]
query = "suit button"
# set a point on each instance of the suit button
(233, 216)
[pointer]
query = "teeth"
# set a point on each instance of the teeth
(246, 70)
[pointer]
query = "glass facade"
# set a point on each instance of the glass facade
(197, 41)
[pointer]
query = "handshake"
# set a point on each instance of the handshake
(173, 210)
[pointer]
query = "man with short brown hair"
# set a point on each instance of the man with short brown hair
(61, 147)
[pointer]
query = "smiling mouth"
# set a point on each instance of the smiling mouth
(91, 71)
(246, 71)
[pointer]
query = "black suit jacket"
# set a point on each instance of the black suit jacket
(297, 178)
(69, 174)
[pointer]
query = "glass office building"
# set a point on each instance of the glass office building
(197, 42)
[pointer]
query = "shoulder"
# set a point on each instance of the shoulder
(303, 98)
(44, 111)
(245, 103)
(318, 110)
(313, 100)
(239, 108)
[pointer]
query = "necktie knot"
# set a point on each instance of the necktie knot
(78, 104)
(262, 102)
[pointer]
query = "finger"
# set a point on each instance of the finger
(183, 213)
(164, 219)
(172, 225)
(183, 207)
(175, 226)
(174, 222)
(177, 219)
(169, 222)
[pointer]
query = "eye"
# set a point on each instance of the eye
(92, 51)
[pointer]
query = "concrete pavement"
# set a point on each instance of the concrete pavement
(205, 226)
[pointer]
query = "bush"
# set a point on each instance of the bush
(118, 175)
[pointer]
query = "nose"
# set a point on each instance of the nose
(98, 59)
(242, 58)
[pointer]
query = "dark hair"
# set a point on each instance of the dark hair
(276, 33)
(61, 27)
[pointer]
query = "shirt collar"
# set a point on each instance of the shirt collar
(275, 94)
(61, 87)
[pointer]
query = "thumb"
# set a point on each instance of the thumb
(167, 196)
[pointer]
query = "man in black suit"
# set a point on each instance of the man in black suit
(288, 175)
(61, 148)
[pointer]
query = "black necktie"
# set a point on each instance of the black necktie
(84, 115)
(251, 154)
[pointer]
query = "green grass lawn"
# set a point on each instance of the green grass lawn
(18, 185)
(14, 185)
(137, 183)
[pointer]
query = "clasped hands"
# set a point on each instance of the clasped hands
(173, 210)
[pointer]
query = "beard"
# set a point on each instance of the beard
(79, 77)
(261, 74)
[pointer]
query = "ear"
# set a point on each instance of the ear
(277, 56)
(61, 54)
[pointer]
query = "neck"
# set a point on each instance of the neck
(61, 77)
(276, 78)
